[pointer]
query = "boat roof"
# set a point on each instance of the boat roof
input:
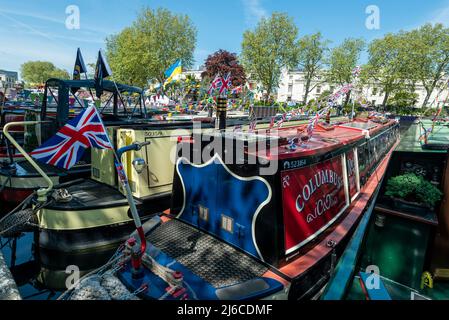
(109, 86)
(324, 139)
(439, 136)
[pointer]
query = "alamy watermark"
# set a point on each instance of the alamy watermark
(373, 280)
(372, 22)
(73, 279)
(72, 21)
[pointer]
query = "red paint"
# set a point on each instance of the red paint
(312, 197)
(143, 241)
(306, 261)
(14, 195)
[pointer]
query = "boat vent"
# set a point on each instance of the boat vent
(215, 261)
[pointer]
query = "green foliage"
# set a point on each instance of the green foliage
(312, 56)
(271, 46)
(37, 72)
(428, 193)
(428, 55)
(386, 65)
(403, 98)
(343, 60)
(411, 186)
(141, 53)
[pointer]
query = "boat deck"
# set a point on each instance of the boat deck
(215, 261)
(90, 194)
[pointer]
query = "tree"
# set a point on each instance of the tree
(403, 98)
(272, 46)
(222, 62)
(312, 53)
(386, 64)
(37, 72)
(343, 60)
(428, 49)
(143, 52)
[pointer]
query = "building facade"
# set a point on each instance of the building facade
(292, 88)
(8, 79)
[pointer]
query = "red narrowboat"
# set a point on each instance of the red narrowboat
(262, 215)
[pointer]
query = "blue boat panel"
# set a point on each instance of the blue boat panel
(197, 288)
(225, 196)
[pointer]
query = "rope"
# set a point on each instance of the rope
(116, 257)
(21, 219)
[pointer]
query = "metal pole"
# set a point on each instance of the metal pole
(221, 112)
(43, 191)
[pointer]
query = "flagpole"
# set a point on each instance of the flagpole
(129, 196)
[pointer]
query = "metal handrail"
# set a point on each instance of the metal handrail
(42, 191)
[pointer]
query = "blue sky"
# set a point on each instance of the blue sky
(35, 29)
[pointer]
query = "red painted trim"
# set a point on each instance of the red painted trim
(272, 275)
(303, 263)
(14, 195)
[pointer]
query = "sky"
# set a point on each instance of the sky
(37, 29)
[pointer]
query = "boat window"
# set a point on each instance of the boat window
(227, 223)
(203, 213)
(95, 172)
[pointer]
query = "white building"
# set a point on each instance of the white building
(292, 88)
(8, 78)
(196, 73)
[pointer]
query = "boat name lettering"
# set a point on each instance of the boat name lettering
(321, 206)
(320, 178)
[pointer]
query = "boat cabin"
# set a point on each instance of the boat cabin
(276, 198)
(272, 196)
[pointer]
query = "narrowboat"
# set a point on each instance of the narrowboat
(400, 250)
(6, 152)
(98, 214)
(18, 179)
(261, 215)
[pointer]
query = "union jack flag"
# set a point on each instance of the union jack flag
(68, 145)
(237, 90)
(225, 83)
(216, 83)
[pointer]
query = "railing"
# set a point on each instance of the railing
(43, 191)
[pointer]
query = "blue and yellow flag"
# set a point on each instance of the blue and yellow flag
(171, 72)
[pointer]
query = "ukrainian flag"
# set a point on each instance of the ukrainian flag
(171, 72)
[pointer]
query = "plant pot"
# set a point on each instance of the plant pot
(411, 207)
